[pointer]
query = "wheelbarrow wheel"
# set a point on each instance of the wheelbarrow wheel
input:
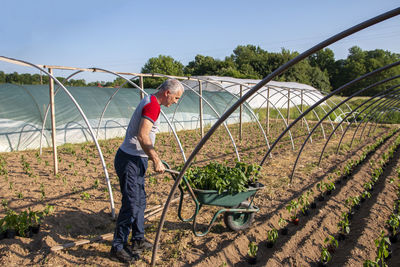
(238, 221)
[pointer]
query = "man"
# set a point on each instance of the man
(131, 162)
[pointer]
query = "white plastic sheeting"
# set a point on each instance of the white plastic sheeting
(22, 111)
(278, 91)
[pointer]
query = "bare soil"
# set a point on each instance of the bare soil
(82, 208)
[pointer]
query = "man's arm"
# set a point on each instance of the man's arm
(147, 146)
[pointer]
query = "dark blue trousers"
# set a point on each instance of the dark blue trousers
(130, 170)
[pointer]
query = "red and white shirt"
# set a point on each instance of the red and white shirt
(149, 109)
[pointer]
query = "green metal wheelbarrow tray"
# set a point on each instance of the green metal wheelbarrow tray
(238, 208)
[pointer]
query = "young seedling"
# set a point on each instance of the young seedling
(393, 222)
(42, 191)
(321, 186)
(252, 252)
(344, 226)
(85, 196)
(283, 224)
(325, 256)
(365, 195)
(304, 202)
(332, 243)
(96, 183)
(3, 167)
(382, 243)
(272, 235)
(351, 202)
(370, 263)
(369, 186)
(292, 208)
(330, 187)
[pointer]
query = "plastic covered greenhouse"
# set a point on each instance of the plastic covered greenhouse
(25, 123)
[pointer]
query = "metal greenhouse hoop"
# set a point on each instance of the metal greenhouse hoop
(349, 114)
(213, 109)
(87, 123)
(337, 90)
(47, 111)
(235, 96)
(355, 118)
(278, 71)
(373, 111)
(144, 92)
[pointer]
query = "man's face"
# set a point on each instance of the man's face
(172, 98)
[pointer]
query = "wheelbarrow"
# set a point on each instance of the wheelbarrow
(238, 208)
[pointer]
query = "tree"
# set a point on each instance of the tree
(162, 65)
(251, 61)
(325, 60)
(2, 77)
(361, 62)
(319, 79)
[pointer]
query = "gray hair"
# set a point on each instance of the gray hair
(172, 85)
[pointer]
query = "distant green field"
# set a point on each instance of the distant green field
(391, 116)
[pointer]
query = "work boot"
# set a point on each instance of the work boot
(140, 245)
(135, 256)
(121, 255)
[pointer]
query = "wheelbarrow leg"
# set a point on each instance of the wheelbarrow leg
(196, 233)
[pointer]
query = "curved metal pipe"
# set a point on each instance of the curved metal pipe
(330, 120)
(340, 109)
(275, 73)
(372, 125)
(385, 107)
(244, 105)
(348, 126)
(212, 108)
(162, 112)
(354, 119)
(81, 128)
(87, 123)
(114, 121)
(344, 101)
(373, 110)
(391, 109)
(20, 134)
(294, 90)
(277, 109)
(348, 114)
(376, 120)
(106, 106)
(322, 100)
(47, 111)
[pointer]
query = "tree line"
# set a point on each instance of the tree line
(320, 70)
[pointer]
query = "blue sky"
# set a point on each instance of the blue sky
(122, 35)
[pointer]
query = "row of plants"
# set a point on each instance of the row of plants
(384, 241)
(304, 203)
(24, 224)
(326, 187)
(3, 166)
(353, 203)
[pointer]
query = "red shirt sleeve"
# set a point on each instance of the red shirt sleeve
(151, 110)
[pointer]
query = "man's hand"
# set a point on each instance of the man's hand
(159, 166)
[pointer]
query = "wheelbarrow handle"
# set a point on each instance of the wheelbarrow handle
(172, 171)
